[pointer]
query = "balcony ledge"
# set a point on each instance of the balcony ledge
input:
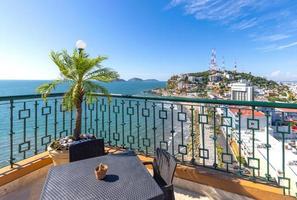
(197, 175)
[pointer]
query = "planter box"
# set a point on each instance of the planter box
(58, 157)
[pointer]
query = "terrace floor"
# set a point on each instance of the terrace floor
(32, 192)
(30, 186)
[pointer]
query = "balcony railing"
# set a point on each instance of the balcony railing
(253, 140)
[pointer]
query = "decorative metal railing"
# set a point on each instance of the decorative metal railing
(254, 140)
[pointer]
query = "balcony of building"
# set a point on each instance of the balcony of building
(224, 149)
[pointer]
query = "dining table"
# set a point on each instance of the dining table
(126, 179)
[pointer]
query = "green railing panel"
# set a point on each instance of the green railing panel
(253, 140)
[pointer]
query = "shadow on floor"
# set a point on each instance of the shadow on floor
(182, 194)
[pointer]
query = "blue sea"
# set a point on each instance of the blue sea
(23, 87)
(124, 122)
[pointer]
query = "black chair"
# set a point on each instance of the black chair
(164, 166)
(86, 149)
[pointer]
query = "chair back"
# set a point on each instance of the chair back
(86, 149)
(166, 165)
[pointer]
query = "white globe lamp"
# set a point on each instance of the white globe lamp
(80, 45)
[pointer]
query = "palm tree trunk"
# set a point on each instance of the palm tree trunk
(77, 130)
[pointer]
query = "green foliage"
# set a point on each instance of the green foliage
(255, 80)
(260, 82)
(241, 160)
(220, 152)
(81, 72)
(204, 74)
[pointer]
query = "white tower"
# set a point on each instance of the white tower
(223, 64)
(213, 61)
(235, 66)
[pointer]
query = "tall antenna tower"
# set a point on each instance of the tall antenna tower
(223, 64)
(213, 61)
(235, 66)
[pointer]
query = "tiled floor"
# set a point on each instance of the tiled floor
(32, 192)
(29, 188)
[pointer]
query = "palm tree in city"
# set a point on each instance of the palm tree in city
(82, 74)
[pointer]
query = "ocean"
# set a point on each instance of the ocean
(130, 122)
(23, 87)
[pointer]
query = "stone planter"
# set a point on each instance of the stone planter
(59, 157)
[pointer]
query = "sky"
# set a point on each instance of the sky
(150, 38)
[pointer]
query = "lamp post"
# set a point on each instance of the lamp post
(80, 45)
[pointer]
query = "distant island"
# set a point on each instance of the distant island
(135, 79)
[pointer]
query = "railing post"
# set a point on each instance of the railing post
(85, 118)
(154, 126)
(55, 120)
(35, 127)
(97, 119)
(123, 123)
(172, 128)
(116, 110)
(11, 161)
(192, 134)
(203, 135)
(239, 139)
(109, 123)
(138, 126)
(253, 132)
(267, 147)
(215, 137)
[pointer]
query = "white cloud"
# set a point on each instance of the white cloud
(245, 24)
(287, 46)
(279, 75)
(217, 9)
(275, 19)
(275, 73)
(274, 37)
(274, 47)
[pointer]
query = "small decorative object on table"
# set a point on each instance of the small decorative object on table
(100, 171)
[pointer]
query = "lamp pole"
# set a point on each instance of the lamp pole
(80, 45)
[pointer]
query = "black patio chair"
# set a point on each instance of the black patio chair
(86, 149)
(164, 166)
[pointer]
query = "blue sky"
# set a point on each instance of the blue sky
(150, 38)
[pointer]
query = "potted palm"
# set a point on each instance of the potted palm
(82, 73)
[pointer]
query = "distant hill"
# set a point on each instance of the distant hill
(260, 82)
(219, 83)
(135, 79)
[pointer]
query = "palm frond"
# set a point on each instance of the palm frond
(46, 88)
(102, 74)
(64, 63)
(84, 64)
(90, 88)
(67, 102)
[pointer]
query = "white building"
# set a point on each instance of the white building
(195, 79)
(253, 146)
(215, 77)
(246, 119)
(180, 85)
(242, 91)
(281, 118)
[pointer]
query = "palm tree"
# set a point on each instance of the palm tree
(80, 72)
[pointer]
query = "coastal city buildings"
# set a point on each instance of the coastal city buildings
(242, 91)
(255, 137)
(163, 100)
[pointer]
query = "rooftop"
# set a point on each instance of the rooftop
(247, 112)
